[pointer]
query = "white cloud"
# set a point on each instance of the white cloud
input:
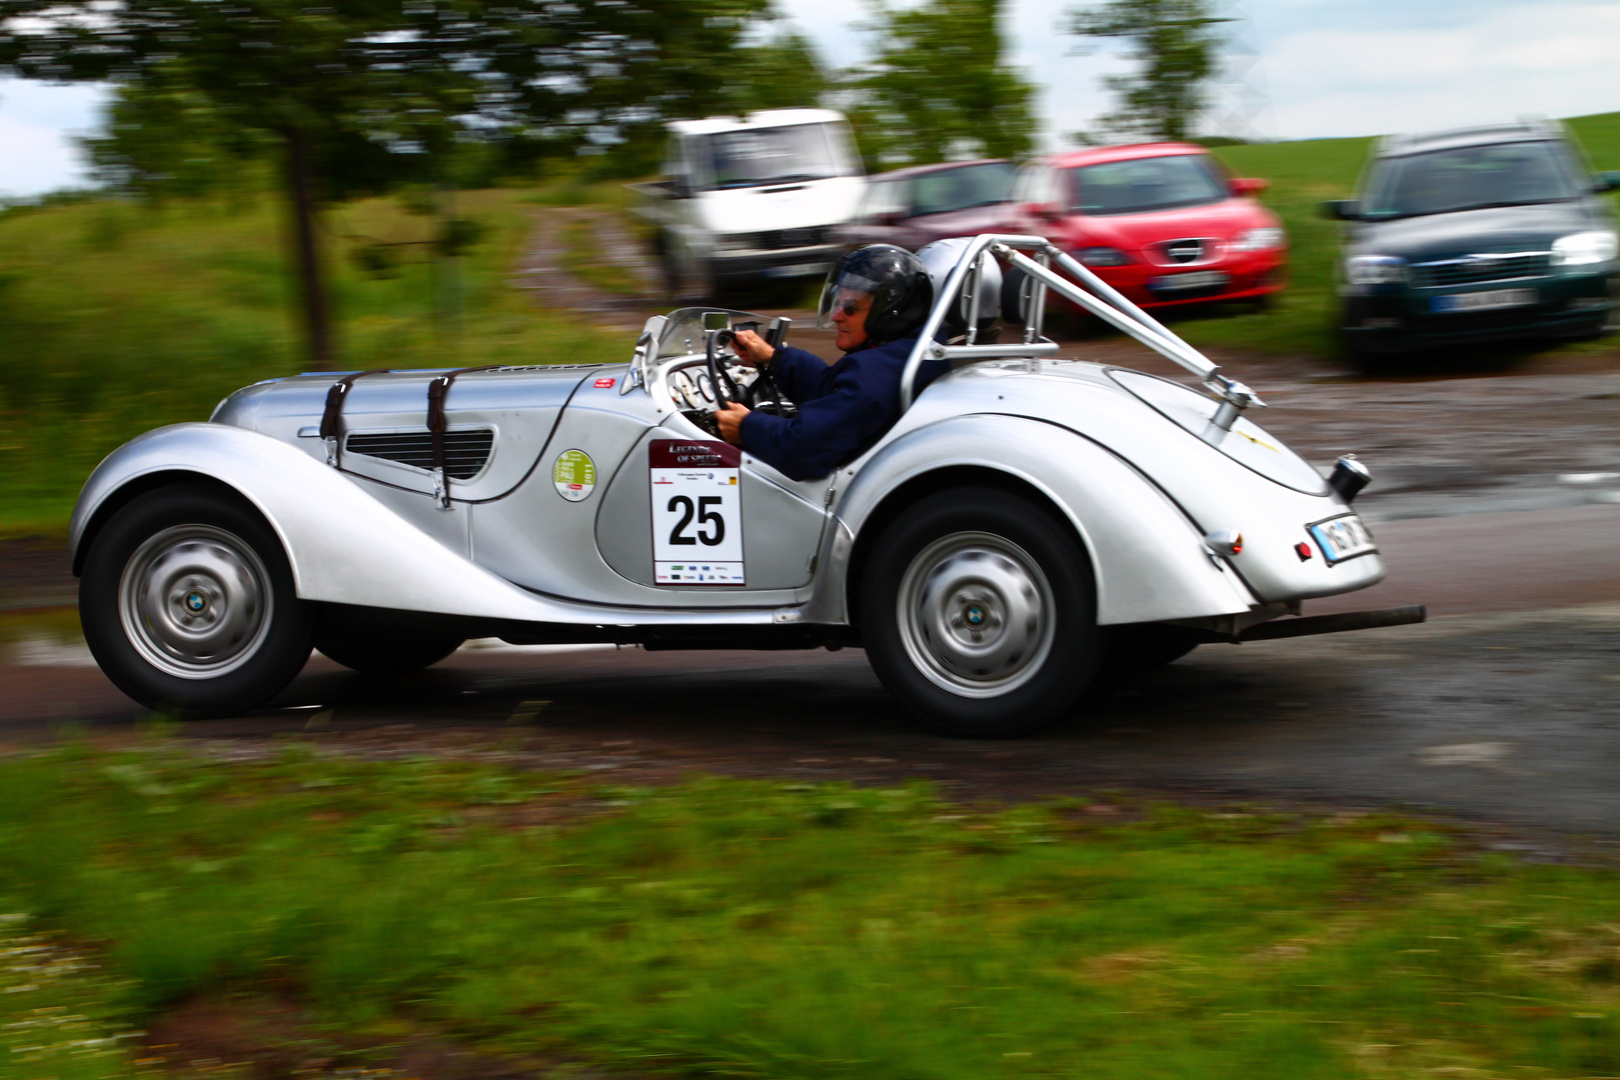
(37, 122)
(1550, 58)
(36, 159)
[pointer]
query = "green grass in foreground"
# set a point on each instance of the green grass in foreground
(116, 318)
(759, 929)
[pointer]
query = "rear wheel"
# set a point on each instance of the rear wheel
(188, 604)
(389, 654)
(979, 614)
(1144, 647)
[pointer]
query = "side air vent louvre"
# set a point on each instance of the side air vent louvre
(465, 452)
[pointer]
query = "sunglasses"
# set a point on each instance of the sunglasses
(850, 307)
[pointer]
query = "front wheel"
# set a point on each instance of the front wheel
(978, 612)
(188, 603)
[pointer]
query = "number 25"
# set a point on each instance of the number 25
(683, 504)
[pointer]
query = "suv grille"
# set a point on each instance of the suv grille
(1473, 269)
(784, 239)
(465, 452)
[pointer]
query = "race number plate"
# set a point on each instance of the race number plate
(696, 513)
(1486, 301)
(1342, 538)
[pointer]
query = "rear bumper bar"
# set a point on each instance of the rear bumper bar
(1320, 624)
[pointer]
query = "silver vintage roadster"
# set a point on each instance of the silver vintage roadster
(1026, 521)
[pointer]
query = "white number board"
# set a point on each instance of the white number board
(696, 513)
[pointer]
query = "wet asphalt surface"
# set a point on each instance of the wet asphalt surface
(1496, 501)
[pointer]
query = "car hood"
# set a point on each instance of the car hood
(783, 206)
(1463, 232)
(1132, 232)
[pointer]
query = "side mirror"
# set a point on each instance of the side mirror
(1605, 181)
(888, 217)
(1342, 209)
(1248, 185)
(1046, 211)
(678, 188)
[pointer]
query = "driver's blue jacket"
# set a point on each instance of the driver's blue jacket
(843, 408)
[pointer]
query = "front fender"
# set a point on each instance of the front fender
(1150, 561)
(345, 546)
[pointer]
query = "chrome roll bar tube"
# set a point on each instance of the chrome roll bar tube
(1102, 300)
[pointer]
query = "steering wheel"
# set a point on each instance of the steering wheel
(720, 373)
(749, 396)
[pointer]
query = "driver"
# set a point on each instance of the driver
(877, 298)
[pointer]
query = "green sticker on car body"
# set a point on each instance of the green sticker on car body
(574, 474)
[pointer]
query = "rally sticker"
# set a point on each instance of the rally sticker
(696, 513)
(574, 474)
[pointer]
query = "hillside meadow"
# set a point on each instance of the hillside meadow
(117, 317)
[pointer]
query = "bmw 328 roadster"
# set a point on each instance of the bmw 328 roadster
(1028, 519)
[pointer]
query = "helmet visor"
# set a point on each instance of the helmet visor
(844, 292)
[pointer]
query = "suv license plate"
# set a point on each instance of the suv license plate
(796, 270)
(1342, 538)
(1486, 301)
(1198, 279)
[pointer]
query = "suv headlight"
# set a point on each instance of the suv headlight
(1375, 270)
(1584, 248)
(1102, 256)
(1262, 239)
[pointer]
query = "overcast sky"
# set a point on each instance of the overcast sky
(1320, 68)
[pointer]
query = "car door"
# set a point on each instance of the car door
(699, 519)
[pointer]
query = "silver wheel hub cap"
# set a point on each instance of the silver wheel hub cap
(194, 601)
(976, 614)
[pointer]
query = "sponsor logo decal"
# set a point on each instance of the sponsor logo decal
(574, 475)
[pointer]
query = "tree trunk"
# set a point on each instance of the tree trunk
(311, 284)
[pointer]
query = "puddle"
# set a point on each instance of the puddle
(1478, 753)
(43, 651)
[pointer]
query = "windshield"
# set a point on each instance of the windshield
(685, 330)
(1156, 183)
(1468, 178)
(751, 157)
(961, 189)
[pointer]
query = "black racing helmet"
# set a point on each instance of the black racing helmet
(893, 277)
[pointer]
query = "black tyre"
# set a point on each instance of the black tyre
(978, 612)
(1144, 647)
(188, 604)
(389, 654)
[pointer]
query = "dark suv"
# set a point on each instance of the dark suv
(1476, 234)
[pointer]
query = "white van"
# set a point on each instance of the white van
(754, 198)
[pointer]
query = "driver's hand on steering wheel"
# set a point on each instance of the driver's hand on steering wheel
(730, 420)
(751, 349)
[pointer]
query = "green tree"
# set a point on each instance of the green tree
(937, 88)
(1175, 42)
(389, 89)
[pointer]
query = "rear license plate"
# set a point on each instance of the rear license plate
(1342, 538)
(795, 270)
(1485, 301)
(1198, 279)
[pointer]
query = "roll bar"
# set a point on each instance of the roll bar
(1102, 300)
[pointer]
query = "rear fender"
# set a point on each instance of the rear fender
(1150, 561)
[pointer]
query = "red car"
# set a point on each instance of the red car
(1160, 222)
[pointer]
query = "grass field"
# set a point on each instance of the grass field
(116, 318)
(758, 929)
